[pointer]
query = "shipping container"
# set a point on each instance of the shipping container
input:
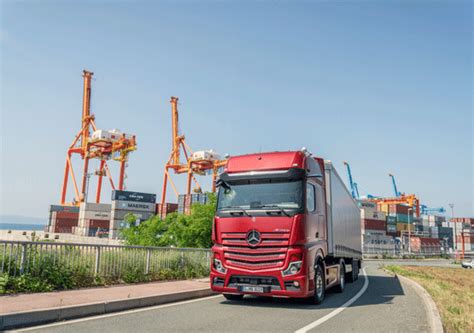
(88, 214)
(404, 227)
(120, 215)
(374, 215)
(65, 215)
(367, 205)
(60, 208)
(89, 206)
(166, 209)
(466, 220)
(370, 224)
(102, 224)
(133, 206)
(399, 209)
(403, 218)
(133, 196)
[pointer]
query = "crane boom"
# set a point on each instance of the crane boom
(354, 188)
(394, 184)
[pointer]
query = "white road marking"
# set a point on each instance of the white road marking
(339, 309)
(67, 322)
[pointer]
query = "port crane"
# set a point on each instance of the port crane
(353, 185)
(200, 162)
(394, 184)
(101, 145)
(425, 210)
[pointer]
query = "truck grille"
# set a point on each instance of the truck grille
(270, 253)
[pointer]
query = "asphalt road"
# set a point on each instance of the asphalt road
(386, 305)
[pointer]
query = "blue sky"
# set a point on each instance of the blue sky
(384, 85)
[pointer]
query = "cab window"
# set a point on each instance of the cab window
(310, 198)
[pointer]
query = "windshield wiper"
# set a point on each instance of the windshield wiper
(236, 207)
(275, 206)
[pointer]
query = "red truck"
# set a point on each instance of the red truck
(285, 226)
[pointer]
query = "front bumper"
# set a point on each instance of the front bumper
(225, 283)
(272, 281)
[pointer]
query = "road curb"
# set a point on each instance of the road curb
(434, 318)
(44, 316)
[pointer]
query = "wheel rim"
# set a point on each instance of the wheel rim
(319, 285)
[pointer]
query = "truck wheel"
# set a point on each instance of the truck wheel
(357, 271)
(232, 297)
(352, 276)
(342, 278)
(319, 285)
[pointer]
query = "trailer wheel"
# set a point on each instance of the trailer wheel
(352, 276)
(357, 271)
(319, 285)
(342, 278)
(232, 297)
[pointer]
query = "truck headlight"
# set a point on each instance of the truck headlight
(293, 268)
(219, 267)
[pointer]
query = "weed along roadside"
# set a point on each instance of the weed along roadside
(41, 267)
(452, 289)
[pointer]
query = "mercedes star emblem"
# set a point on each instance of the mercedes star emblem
(253, 238)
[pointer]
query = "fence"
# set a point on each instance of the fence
(399, 251)
(107, 261)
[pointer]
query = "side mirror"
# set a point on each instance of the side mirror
(222, 183)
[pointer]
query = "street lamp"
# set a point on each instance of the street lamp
(455, 241)
(409, 230)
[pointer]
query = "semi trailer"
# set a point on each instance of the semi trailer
(285, 226)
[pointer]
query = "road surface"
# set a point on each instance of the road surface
(386, 305)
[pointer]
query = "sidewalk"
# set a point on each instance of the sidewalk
(32, 309)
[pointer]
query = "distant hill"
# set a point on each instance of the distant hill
(19, 219)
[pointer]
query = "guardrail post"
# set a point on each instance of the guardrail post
(23, 258)
(148, 258)
(97, 261)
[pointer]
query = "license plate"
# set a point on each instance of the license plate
(252, 289)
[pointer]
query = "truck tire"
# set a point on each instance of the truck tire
(342, 278)
(232, 297)
(319, 285)
(352, 276)
(357, 271)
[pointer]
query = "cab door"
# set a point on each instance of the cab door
(312, 217)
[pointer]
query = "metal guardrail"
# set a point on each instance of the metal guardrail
(23, 257)
(426, 251)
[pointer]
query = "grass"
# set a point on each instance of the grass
(452, 289)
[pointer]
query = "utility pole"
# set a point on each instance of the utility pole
(455, 241)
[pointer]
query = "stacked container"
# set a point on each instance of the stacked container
(167, 208)
(372, 220)
(94, 219)
(141, 205)
(62, 219)
(391, 225)
(185, 202)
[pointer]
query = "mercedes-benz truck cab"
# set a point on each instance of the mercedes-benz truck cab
(285, 226)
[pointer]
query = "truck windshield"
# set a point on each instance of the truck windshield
(255, 196)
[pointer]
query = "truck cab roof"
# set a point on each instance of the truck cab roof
(266, 161)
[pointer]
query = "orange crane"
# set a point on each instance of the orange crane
(196, 163)
(407, 199)
(102, 145)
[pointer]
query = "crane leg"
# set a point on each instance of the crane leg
(122, 174)
(84, 179)
(163, 191)
(64, 188)
(99, 182)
